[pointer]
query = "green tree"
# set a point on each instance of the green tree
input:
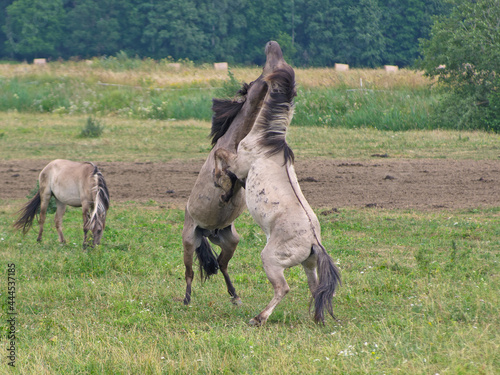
(366, 44)
(92, 28)
(463, 52)
(323, 33)
(174, 29)
(403, 23)
(3, 17)
(34, 28)
(223, 24)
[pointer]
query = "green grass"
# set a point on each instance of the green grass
(51, 136)
(420, 296)
(396, 109)
(420, 288)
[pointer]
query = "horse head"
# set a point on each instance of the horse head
(233, 119)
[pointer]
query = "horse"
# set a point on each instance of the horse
(70, 183)
(264, 164)
(205, 216)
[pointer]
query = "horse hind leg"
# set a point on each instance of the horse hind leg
(274, 272)
(310, 268)
(45, 195)
(228, 240)
(61, 209)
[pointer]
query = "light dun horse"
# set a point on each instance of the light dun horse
(205, 216)
(264, 164)
(71, 183)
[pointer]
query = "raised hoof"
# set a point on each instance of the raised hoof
(236, 301)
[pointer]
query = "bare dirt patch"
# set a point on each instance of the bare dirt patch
(380, 183)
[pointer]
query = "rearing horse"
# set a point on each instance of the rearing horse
(205, 216)
(264, 164)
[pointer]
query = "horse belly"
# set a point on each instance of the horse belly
(68, 193)
(269, 200)
(209, 213)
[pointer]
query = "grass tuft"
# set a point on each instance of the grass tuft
(93, 128)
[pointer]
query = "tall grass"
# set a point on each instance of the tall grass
(401, 109)
(394, 110)
(145, 89)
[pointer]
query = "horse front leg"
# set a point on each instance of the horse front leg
(228, 240)
(274, 272)
(86, 224)
(61, 208)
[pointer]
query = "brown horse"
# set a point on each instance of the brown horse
(71, 183)
(264, 164)
(205, 216)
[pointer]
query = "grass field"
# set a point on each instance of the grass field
(420, 296)
(420, 288)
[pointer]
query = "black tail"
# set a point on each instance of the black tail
(329, 281)
(27, 214)
(207, 259)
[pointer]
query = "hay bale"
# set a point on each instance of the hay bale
(221, 66)
(391, 68)
(40, 61)
(341, 67)
(174, 66)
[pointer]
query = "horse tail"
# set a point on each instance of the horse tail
(329, 281)
(28, 213)
(207, 259)
(101, 201)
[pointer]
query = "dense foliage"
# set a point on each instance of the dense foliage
(362, 33)
(464, 53)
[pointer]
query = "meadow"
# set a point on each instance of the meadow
(367, 98)
(420, 288)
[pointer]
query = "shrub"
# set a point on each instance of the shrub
(93, 128)
(464, 53)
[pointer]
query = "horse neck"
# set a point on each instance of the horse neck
(244, 122)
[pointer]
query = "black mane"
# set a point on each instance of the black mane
(225, 110)
(275, 110)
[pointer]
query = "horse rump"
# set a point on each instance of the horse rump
(27, 213)
(329, 281)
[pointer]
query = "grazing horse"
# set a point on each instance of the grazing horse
(264, 165)
(205, 216)
(71, 183)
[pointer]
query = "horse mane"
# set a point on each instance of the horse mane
(101, 202)
(277, 113)
(225, 110)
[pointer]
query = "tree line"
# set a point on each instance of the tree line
(361, 33)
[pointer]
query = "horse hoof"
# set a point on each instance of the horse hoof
(255, 322)
(237, 301)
